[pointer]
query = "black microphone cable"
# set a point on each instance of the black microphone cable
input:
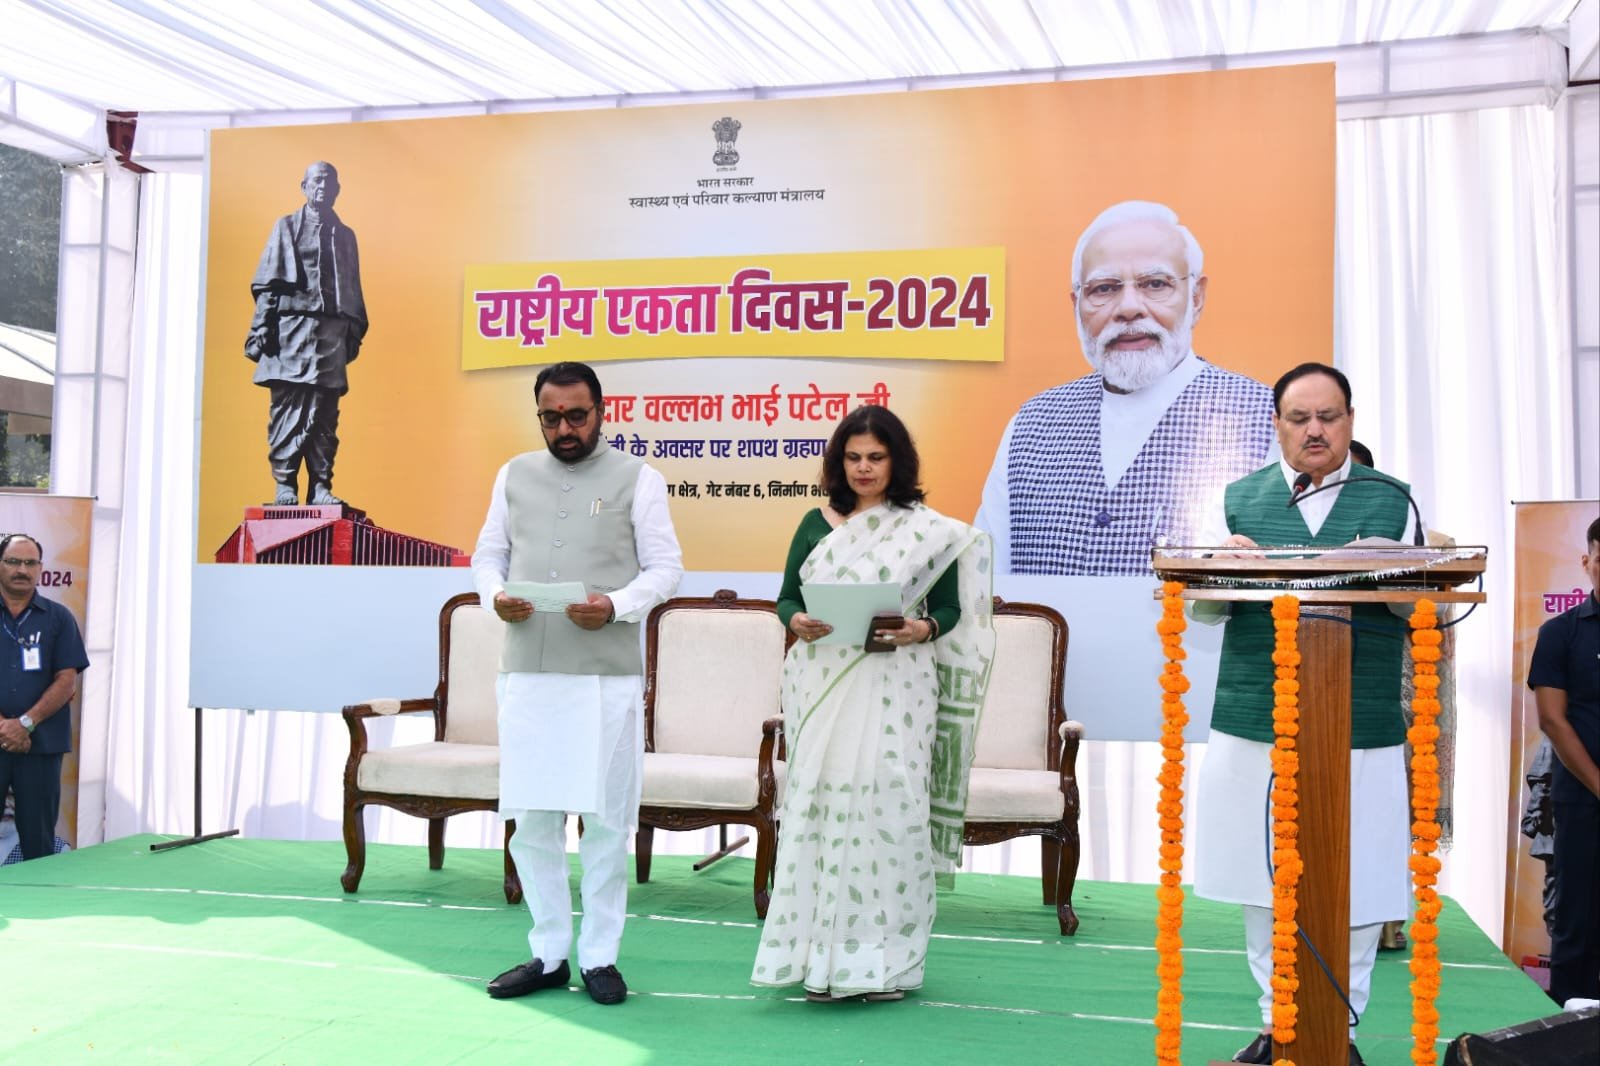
(1299, 929)
(1301, 493)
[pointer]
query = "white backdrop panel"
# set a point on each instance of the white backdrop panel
(278, 654)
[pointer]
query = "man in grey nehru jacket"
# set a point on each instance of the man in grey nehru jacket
(571, 686)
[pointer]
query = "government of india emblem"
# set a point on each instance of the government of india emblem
(727, 131)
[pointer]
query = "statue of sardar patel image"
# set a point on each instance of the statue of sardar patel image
(309, 321)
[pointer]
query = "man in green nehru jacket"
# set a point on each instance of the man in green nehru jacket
(1278, 505)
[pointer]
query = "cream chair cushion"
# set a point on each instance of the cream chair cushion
(1014, 796)
(1016, 713)
(457, 771)
(718, 782)
(472, 716)
(716, 681)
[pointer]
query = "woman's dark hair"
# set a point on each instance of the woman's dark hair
(884, 425)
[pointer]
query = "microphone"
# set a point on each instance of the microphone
(1301, 483)
(1304, 479)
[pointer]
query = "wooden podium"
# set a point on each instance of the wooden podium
(1329, 581)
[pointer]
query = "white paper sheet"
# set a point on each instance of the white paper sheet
(548, 596)
(849, 608)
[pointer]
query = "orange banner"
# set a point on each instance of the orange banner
(952, 215)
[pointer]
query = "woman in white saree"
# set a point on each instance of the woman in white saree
(879, 745)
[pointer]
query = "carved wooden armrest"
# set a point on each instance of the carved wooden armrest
(766, 777)
(380, 708)
(355, 719)
(772, 731)
(1071, 733)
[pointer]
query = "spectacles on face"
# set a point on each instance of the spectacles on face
(1158, 289)
(1300, 419)
(21, 564)
(576, 417)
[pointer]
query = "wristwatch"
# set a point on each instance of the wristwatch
(26, 723)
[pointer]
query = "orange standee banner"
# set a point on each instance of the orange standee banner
(61, 525)
(1550, 579)
(742, 274)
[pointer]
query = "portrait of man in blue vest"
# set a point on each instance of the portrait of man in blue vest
(1091, 474)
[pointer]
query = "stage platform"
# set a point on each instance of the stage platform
(247, 951)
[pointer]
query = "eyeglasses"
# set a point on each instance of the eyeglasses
(21, 564)
(1158, 289)
(576, 417)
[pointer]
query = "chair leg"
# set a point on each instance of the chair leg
(643, 840)
(1066, 879)
(513, 880)
(355, 846)
(766, 854)
(435, 843)
(1049, 866)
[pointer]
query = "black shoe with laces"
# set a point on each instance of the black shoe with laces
(605, 985)
(529, 977)
(1258, 1050)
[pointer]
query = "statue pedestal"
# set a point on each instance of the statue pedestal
(328, 535)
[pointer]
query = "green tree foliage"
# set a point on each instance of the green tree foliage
(30, 235)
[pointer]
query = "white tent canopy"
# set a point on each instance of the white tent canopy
(1465, 156)
(197, 65)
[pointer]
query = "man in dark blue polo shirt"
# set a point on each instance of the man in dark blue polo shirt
(1565, 678)
(41, 655)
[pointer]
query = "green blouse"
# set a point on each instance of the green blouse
(944, 599)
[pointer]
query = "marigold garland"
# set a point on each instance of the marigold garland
(1424, 731)
(1286, 866)
(1169, 914)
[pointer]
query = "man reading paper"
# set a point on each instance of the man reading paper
(571, 686)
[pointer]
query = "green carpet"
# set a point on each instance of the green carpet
(246, 951)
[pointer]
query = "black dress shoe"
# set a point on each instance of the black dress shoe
(529, 977)
(1355, 1057)
(605, 985)
(1258, 1050)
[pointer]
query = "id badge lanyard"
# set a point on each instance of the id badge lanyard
(31, 657)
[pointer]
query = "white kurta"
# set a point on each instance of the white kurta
(1233, 859)
(558, 731)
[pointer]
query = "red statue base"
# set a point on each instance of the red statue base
(333, 535)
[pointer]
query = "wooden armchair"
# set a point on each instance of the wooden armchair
(713, 741)
(457, 771)
(1024, 766)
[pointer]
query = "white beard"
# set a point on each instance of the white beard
(1135, 370)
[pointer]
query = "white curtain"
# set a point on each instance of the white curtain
(149, 742)
(1449, 318)
(1452, 312)
(99, 222)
